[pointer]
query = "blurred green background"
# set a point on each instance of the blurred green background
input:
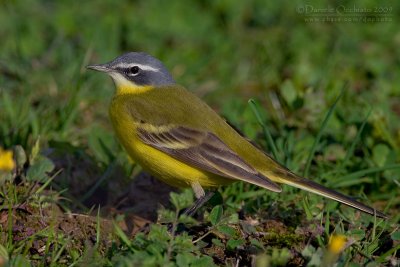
(224, 51)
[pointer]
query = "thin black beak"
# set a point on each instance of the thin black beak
(99, 67)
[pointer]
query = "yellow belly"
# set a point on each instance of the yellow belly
(170, 170)
(158, 163)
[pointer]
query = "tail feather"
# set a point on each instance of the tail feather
(287, 177)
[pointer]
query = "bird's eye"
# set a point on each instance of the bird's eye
(134, 70)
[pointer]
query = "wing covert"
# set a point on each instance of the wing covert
(205, 151)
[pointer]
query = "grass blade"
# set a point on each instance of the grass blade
(356, 139)
(105, 176)
(321, 130)
(358, 174)
(267, 134)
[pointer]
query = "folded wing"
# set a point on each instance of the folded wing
(205, 151)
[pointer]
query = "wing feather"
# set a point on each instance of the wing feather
(205, 151)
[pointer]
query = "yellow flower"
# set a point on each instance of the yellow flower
(337, 243)
(6, 160)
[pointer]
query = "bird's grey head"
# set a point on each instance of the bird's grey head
(137, 67)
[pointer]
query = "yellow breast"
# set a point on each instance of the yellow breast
(157, 163)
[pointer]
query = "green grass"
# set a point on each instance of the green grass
(324, 101)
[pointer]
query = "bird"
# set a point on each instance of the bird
(178, 138)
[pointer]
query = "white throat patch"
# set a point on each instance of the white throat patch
(120, 80)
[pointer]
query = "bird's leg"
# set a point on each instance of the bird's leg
(198, 203)
(201, 199)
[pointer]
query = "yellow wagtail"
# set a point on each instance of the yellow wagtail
(179, 139)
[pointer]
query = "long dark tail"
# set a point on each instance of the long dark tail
(287, 177)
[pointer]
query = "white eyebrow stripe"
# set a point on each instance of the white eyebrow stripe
(141, 66)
